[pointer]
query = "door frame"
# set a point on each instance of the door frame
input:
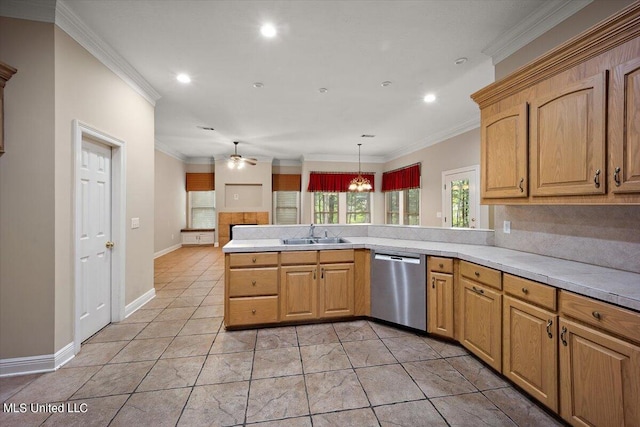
(475, 189)
(118, 214)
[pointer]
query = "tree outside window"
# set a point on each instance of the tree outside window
(325, 208)
(358, 208)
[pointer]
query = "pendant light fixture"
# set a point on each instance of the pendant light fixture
(360, 183)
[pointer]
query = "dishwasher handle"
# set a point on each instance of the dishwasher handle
(397, 258)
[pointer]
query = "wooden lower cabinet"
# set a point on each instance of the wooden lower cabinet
(440, 304)
(530, 349)
(298, 292)
(336, 290)
(599, 378)
(481, 325)
(253, 310)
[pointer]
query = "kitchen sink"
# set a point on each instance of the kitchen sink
(315, 240)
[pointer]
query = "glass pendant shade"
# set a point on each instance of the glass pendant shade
(360, 183)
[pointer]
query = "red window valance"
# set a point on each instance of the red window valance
(335, 181)
(402, 179)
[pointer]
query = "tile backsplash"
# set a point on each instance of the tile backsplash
(608, 236)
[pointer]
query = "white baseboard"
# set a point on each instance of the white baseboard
(167, 250)
(139, 302)
(36, 364)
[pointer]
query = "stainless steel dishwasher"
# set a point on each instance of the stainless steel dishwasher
(399, 289)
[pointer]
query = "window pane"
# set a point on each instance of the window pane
(325, 208)
(460, 203)
(393, 207)
(412, 206)
(202, 206)
(285, 207)
(358, 208)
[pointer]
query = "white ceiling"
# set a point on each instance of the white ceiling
(348, 47)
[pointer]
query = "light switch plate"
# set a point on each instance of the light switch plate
(507, 227)
(135, 222)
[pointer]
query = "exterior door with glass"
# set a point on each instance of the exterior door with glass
(460, 198)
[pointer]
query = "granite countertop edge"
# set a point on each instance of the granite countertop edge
(606, 284)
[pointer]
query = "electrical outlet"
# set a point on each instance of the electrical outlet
(438, 214)
(236, 196)
(506, 227)
(135, 222)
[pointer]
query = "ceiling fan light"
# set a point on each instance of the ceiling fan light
(240, 165)
(231, 164)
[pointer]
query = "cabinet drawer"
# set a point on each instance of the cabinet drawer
(533, 292)
(440, 265)
(478, 273)
(299, 257)
(253, 281)
(339, 255)
(253, 259)
(250, 311)
(620, 321)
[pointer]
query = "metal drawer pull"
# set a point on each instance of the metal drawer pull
(253, 311)
(596, 179)
(477, 273)
(549, 323)
(480, 291)
(616, 177)
(525, 291)
(520, 186)
(314, 274)
(433, 282)
(562, 336)
(253, 259)
(322, 273)
(253, 282)
(596, 315)
(441, 265)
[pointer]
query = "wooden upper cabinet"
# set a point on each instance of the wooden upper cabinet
(568, 139)
(624, 127)
(504, 154)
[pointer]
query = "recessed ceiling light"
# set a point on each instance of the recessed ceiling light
(429, 97)
(258, 85)
(385, 83)
(268, 30)
(323, 90)
(183, 78)
(460, 60)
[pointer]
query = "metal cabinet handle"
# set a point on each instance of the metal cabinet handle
(253, 282)
(597, 315)
(322, 273)
(549, 323)
(525, 291)
(253, 311)
(441, 265)
(478, 290)
(563, 336)
(596, 179)
(520, 186)
(109, 245)
(253, 259)
(477, 273)
(433, 282)
(616, 176)
(314, 274)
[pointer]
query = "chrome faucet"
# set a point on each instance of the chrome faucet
(311, 227)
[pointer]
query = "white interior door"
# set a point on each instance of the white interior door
(460, 200)
(94, 238)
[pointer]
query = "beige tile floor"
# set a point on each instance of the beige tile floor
(172, 363)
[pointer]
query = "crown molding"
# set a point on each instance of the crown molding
(200, 160)
(32, 10)
(287, 162)
(436, 138)
(80, 32)
(170, 152)
(340, 158)
(533, 26)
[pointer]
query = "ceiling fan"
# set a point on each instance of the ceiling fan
(237, 161)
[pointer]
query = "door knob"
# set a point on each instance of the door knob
(110, 245)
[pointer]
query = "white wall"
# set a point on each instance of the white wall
(170, 203)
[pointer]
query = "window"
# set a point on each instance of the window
(461, 198)
(358, 208)
(202, 209)
(403, 207)
(393, 207)
(285, 207)
(325, 208)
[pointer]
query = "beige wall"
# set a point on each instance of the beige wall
(58, 81)
(27, 262)
(201, 167)
(170, 201)
(590, 15)
(459, 151)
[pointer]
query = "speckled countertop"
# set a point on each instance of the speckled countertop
(606, 284)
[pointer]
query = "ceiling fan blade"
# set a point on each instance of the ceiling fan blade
(251, 161)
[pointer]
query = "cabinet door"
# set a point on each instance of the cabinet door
(530, 350)
(189, 238)
(504, 154)
(599, 378)
(481, 325)
(336, 290)
(567, 146)
(206, 238)
(298, 292)
(624, 128)
(440, 304)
